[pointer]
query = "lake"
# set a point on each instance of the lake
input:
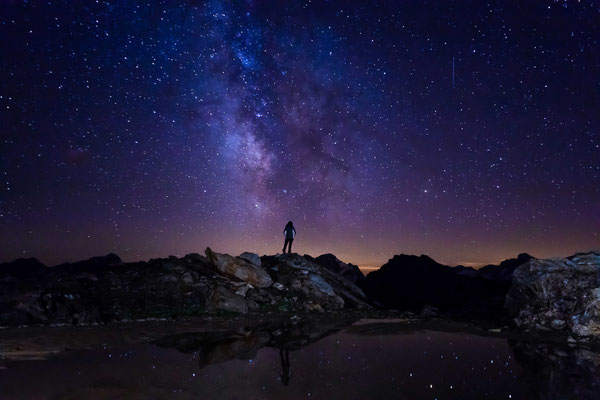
(294, 359)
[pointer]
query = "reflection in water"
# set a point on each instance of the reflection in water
(286, 369)
(559, 371)
(379, 360)
(244, 343)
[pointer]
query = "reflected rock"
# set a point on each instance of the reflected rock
(217, 347)
(559, 371)
(220, 346)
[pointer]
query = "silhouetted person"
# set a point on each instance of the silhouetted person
(289, 232)
(286, 369)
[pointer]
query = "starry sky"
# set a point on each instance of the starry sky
(465, 130)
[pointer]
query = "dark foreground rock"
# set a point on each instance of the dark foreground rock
(104, 289)
(561, 294)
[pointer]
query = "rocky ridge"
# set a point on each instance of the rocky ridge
(104, 289)
(555, 295)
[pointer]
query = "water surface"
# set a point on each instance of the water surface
(366, 360)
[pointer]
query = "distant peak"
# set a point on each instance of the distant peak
(524, 256)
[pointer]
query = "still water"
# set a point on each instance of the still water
(299, 360)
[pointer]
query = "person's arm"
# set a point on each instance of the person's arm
(294, 231)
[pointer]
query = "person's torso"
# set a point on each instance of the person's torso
(289, 232)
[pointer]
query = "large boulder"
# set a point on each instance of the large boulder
(558, 295)
(239, 268)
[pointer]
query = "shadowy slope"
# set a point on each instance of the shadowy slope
(408, 282)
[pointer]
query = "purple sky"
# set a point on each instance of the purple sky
(468, 131)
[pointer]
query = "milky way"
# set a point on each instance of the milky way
(465, 130)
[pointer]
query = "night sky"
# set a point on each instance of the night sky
(466, 130)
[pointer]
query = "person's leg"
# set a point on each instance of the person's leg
(290, 246)
(285, 245)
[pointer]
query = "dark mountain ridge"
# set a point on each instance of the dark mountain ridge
(409, 282)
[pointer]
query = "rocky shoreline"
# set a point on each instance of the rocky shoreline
(557, 296)
(104, 289)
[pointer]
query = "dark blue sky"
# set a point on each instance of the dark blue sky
(161, 128)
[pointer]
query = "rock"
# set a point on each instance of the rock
(348, 271)
(558, 294)
(319, 283)
(253, 305)
(314, 307)
(505, 270)
(558, 324)
(226, 300)
(196, 258)
(251, 258)
(429, 311)
(240, 269)
(298, 262)
(243, 289)
(187, 278)
(305, 278)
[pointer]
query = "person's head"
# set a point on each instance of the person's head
(290, 224)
